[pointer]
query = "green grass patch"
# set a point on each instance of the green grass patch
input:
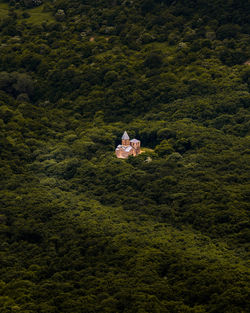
(146, 150)
(4, 8)
(37, 14)
(163, 46)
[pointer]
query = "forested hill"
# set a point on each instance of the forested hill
(164, 232)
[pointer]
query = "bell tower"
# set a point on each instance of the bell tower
(125, 139)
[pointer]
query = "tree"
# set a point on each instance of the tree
(153, 60)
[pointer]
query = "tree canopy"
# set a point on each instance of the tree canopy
(83, 231)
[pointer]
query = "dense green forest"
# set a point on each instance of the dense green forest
(83, 231)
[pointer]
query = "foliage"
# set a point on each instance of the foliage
(83, 231)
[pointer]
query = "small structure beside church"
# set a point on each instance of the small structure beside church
(128, 147)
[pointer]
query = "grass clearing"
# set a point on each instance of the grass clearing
(146, 150)
(4, 8)
(37, 14)
(163, 46)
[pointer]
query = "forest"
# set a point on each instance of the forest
(82, 231)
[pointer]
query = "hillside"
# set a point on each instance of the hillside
(83, 231)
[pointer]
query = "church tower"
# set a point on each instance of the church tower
(125, 139)
(128, 147)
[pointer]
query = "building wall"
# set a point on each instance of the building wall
(123, 154)
(125, 142)
(136, 146)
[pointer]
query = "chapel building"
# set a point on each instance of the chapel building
(128, 147)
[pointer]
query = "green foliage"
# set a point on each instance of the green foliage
(83, 231)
